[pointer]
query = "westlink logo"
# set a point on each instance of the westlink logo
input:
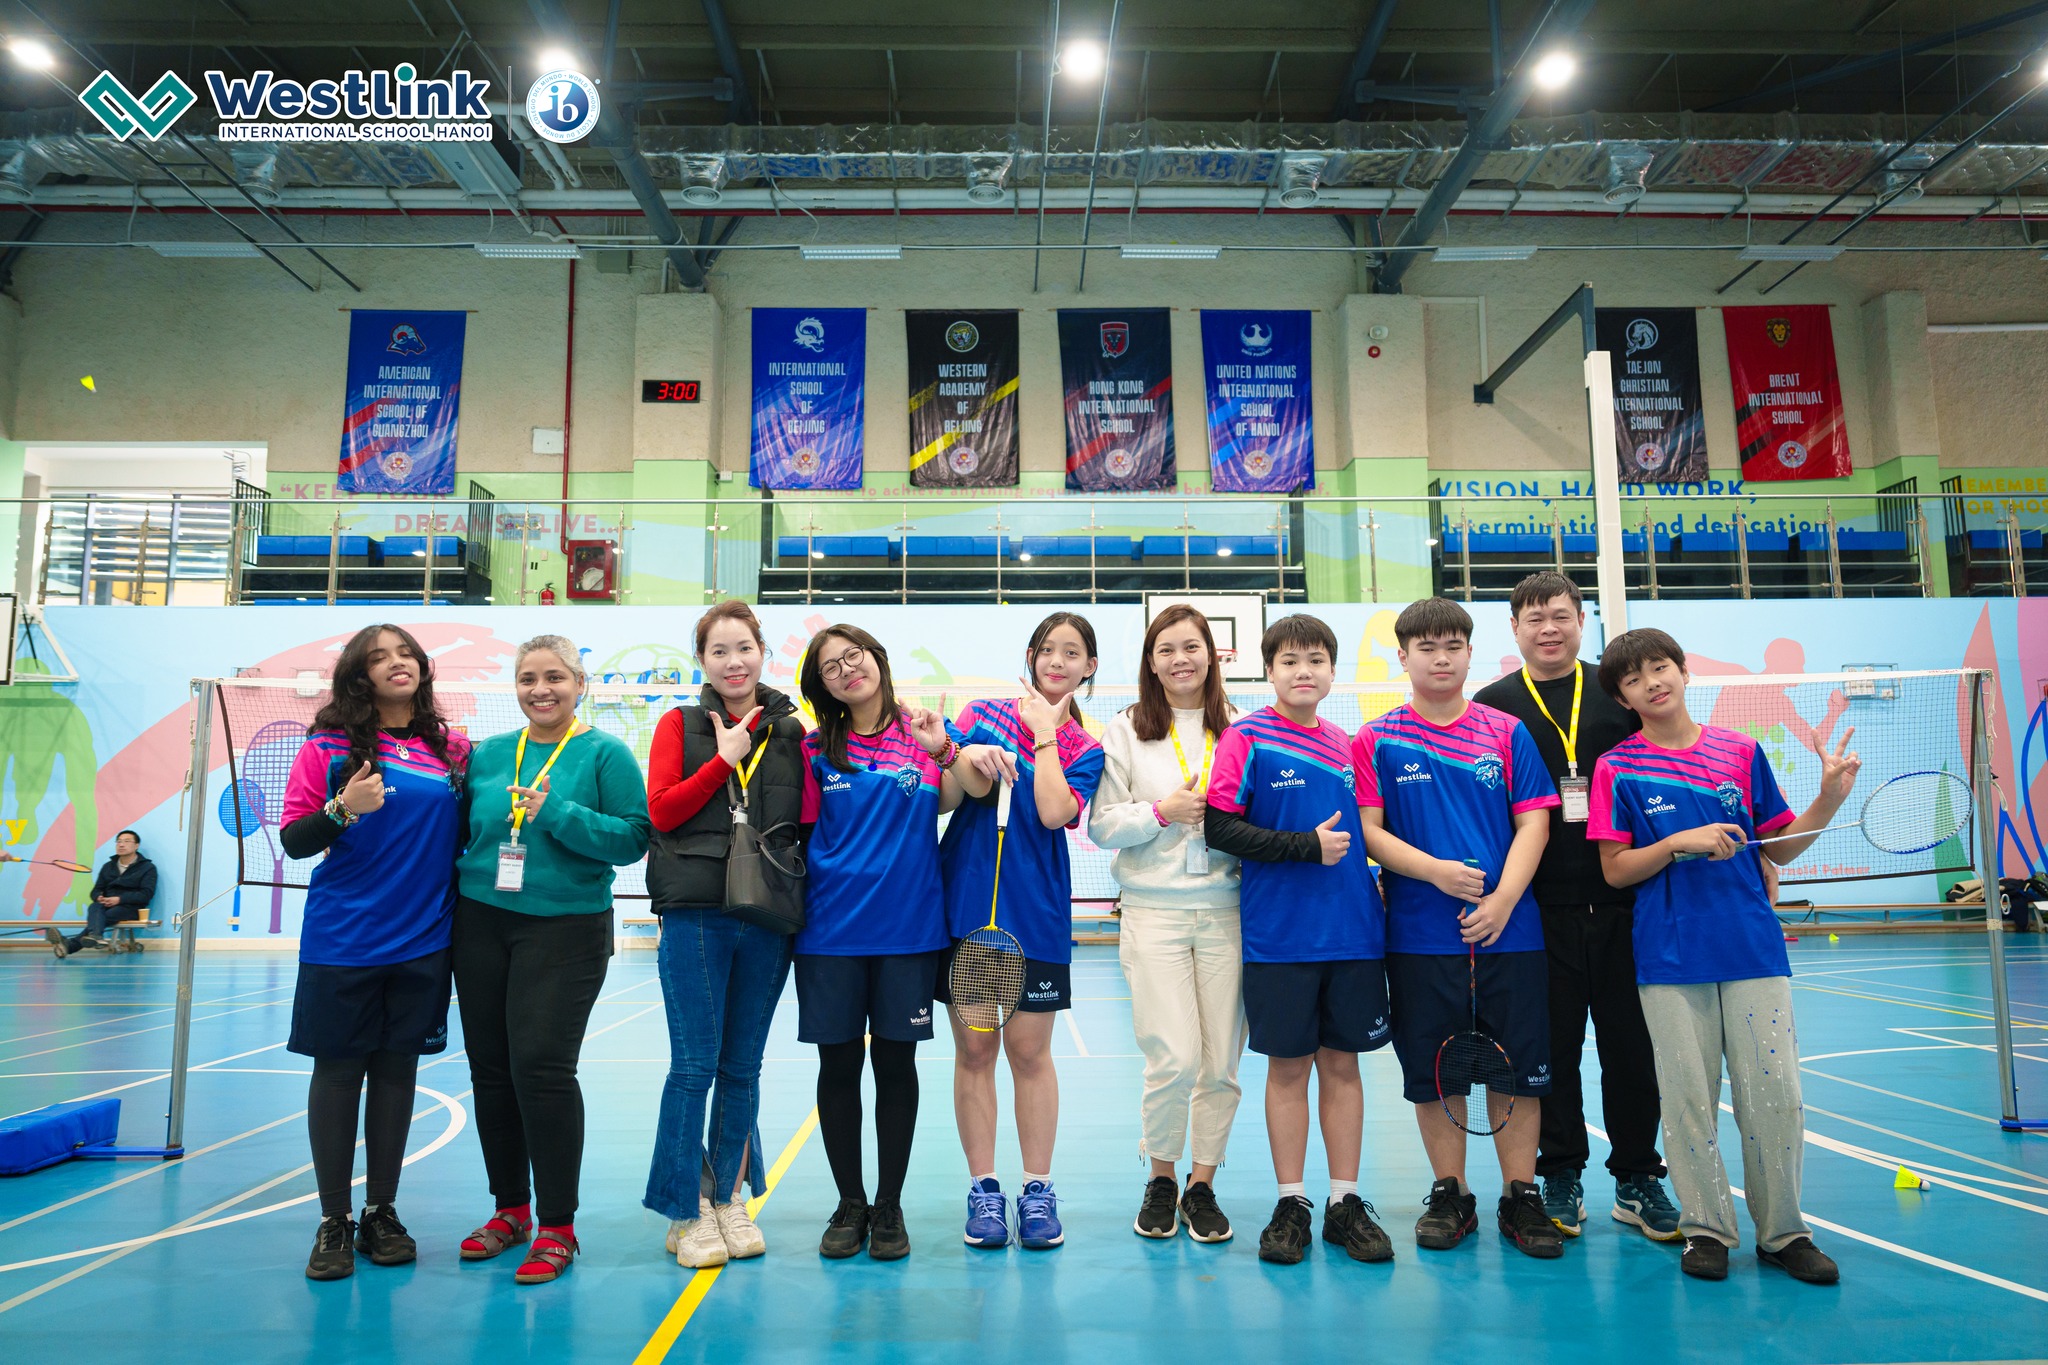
(373, 106)
(123, 115)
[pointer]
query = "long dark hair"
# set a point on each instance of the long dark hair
(1152, 717)
(835, 717)
(352, 709)
(1047, 627)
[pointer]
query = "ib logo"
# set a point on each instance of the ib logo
(123, 115)
(562, 106)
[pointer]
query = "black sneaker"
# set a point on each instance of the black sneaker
(1705, 1258)
(1349, 1224)
(847, 1230)
(1448, 1214)
(333, 1258)
(1198, 1210)
(382, 1238)
(1285, 1240)
(1800, 1259)
(888, 1239)
(1158, 1215)
(1525, 1222)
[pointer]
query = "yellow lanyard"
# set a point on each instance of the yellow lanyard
(1571, 736)
(1181, 755)
(519, 761)
(746, 770)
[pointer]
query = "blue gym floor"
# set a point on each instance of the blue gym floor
(201, 1260)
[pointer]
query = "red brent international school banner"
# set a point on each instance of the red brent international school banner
(1788, 395)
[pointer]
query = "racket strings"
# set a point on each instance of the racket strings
(1916, 812)
(1468, 1061)
(986, 979)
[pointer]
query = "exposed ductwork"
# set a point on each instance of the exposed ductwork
(1627, 174)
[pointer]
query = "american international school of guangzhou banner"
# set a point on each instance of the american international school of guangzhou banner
(403, 396)
(1116, 370)
(1660, 423)
(1255, 368)
(1788, 395)
(963, 399)
(810, 378)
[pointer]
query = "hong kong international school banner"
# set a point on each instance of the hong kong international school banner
(401, 402)
(1660, 423)
(1788, 395)
(1116, 374)
(963, 399)
(810, 379)
(1255, 368)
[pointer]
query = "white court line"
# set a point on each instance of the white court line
(1981, 1047)
(137, 1033)
(1074, 1030)
(1873, 1052)
(1893, 1094)
(141, 1014)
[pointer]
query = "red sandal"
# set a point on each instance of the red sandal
(495, 1237)
(549, 1257)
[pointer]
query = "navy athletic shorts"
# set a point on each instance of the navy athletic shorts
(1294, 1008)
(353, 1011)
(1432, 998)
(1048, 986)
(840, 999)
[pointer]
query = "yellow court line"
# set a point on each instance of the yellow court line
(1913, 1004)
(664, 1338)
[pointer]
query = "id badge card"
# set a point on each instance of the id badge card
(1197, 855)
(1577, 795)
(511, 867)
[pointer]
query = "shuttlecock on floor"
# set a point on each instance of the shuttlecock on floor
(1834, 938)
(1906, 1180)
(90, 387)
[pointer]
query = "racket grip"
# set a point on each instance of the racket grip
(1002, 804)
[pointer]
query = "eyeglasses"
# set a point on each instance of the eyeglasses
(844, 664)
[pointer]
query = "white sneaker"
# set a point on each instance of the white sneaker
(742, 1239)
(697, 1243)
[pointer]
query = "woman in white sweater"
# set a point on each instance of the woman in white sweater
(1179, 939)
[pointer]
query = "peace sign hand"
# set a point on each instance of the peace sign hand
(929, 727)
(735, 738)
(529, 799)
(1043, 716)
(1838, 769)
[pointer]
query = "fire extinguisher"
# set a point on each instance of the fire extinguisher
(547, 595)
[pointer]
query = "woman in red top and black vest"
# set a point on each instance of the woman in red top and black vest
(741, 733)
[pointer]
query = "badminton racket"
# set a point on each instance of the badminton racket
(986, 980)
(64, 863)
(1472, 1060)
(1911, 813)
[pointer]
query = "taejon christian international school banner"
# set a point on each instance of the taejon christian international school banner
(400, 407)
(1261, 426)
(963, 399)
(810, 375)
(1660, 426)
(1788, 396)
(1116, 371)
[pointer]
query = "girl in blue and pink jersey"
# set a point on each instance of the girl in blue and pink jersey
(877, 775)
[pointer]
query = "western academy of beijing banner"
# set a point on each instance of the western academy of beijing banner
(1116, 371)
(963, 399)
(1660, 426)
(1255, 368)
(1788, 395)
(810, 374)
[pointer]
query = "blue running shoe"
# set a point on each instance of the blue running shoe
(1564, 1203)
(1038, 1217)
(988, 1224)
(1641, 1202)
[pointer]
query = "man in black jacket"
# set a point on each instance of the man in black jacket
(1587, 924)
(123, 890)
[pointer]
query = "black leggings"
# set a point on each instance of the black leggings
(331, 1104)
(895, 1113)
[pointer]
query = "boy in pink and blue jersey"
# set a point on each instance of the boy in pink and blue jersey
(1457, 806)
(1676, 809)
(1284, 798)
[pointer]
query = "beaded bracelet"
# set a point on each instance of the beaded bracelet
(337, 810)
(949, 755)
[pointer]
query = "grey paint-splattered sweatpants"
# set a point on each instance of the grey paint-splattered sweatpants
(1749, 1023)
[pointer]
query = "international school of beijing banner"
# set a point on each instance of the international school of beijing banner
(1788, 396)
(810, 375)
(1660, 422)
(963, 399)
(1261, 428)
(403, 397)
(1116, 373)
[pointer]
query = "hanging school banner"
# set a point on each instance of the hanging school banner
(1660, 424)
(810, 376)
(1788, 395)
(1261, 427)
(963, 399)
(403, 395)
(1116, 367)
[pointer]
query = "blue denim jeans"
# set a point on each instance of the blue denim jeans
(721, 979)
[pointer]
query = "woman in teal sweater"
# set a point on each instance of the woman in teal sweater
(552, 809)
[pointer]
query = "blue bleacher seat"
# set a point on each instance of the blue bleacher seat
(1988, 540)
(1524, 543)
(1769, 542)
(1707, 542)
(850, 547)
(1893, 542)
(950, 547)
(1632, 541)
(399, 547)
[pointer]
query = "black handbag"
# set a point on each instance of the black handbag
(764, 885)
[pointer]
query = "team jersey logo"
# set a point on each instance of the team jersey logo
(909, 779)
(1655, 804)
(1116, 339)
(1487, 768)
(1287, 779)
(835, 781)
(963, 336)
(1411, 772)
(1731, 797)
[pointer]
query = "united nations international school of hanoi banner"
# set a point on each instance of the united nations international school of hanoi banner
(1788, 395)
(399, 411)
(810, 377)
(963, 399)
(1255, 366)
(1116, 370)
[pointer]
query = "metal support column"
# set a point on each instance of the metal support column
(1986, 820)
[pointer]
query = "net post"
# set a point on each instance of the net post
(188, 915)
(1986, 816)
(1609, 575)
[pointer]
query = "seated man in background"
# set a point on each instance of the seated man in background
(122, 892)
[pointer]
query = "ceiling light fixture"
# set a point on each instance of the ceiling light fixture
(1818, 251)
(1467, 254)
(559, 59)
(851, 253)
(203, 250)
(1081, 60)
(34, 55)
(1555, 70)
(1168, 251)
(528, 251)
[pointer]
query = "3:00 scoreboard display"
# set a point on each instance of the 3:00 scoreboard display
(670, 390)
